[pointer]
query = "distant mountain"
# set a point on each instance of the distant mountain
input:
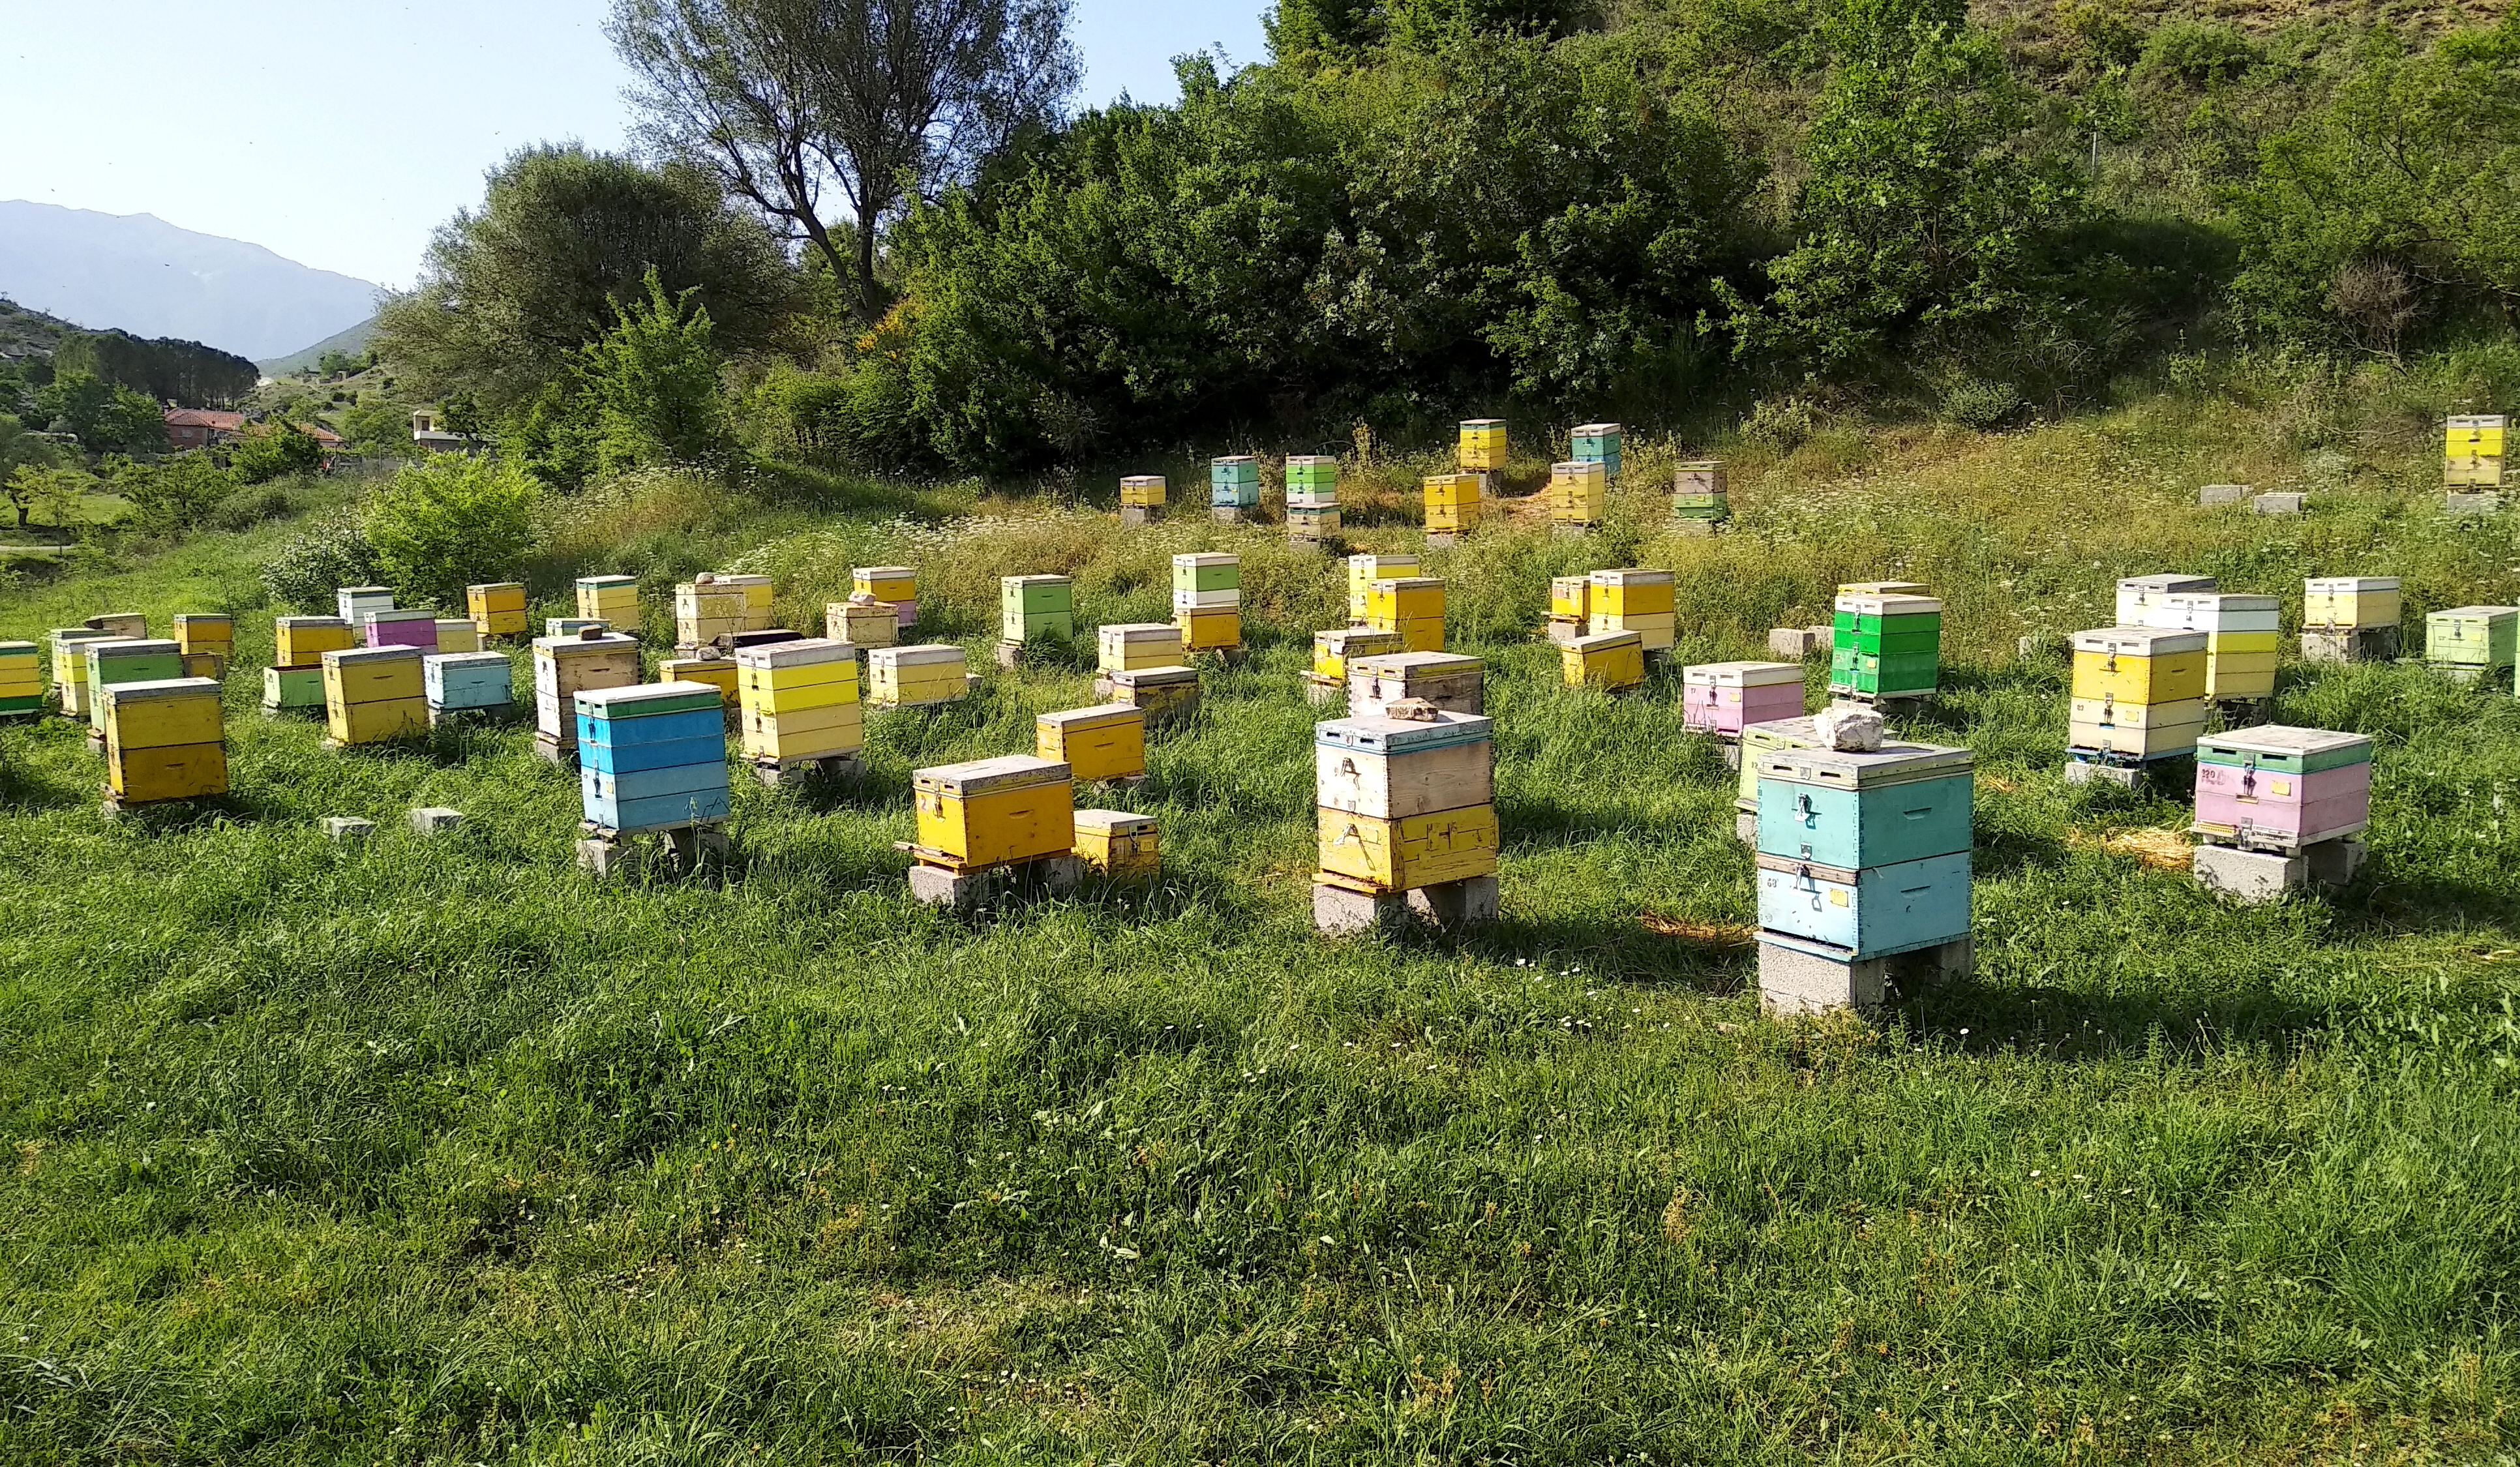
(352, 342)
(25, 332)
(147, 277)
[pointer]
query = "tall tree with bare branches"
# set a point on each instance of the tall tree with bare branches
(877, 99)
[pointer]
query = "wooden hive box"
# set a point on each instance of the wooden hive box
(69, 666)
(1158, 693)
(566, 666)
(1412, 607)
(396, 627)
(1391, 768)
(1208, 580)
(452, 681)
(709, 672)
(2134, 666)
(612, 599)
(21, 678)
(2282, 786)
(1698, 491)
(1596, 443)
(164, 741)
(897, 586)
(573, 626)
(352, 603)
(1124, 646)
(1208, 629)
(1866, 853)
(2141, 599)
(1234, 482)
(1886, 645)
(2242, 640)
(1103, 742)
(652, 756)
(119, 659)
(497, 607)
(458, 636)
(2471, 637)
(1447, 679)
(708, 613)
(2135, 731)
(1579, 492)
(1453, 502)
(1143, 491)
(1483, 446)
(1364, 570)
(1311, 483)
(2347, 604)
(1030, 606)
(992, 812)
(867, 623)
(371, 694)
(1334, 649)
(1613, 662)
(801, 699)
(758, 595)
(1637, 600)
(126, 626)
(1119, 846)
(300, 641)
(202, 631)
(1725, 697)
(2472, 451)
(915, 676)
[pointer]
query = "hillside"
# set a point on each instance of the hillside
(25, 332)
(351, 342)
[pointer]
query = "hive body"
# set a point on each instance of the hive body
(1118, 845)
(21, 678)
(567, 666)
(1864, 855)
(915, 676)
(1097, 744)
(1412, 607)
(1725, 697)
(1483, 446)
(1234, 482)
(2473, 641)
(497, 607)
(1121, 647)
(352, 603)
(1635, 600)
(1403, 804)
(1334, 650)
(454, 682)
(897, 586)
(1364, 570)
(610, 600)
(164, 741)
(1613, 662)
(1143, 491)
(1885, 645)
(862, 622)
(1030, 606)
(799, 700)
(2283, 787)
(1447, 679)
(1207, 602)
(1579, 492)
(1697, 493)
(650, 757)
(2472, 452)
(1454, 502)
(707, 613)
(371, 694)
(1596, 443)
(995, 811)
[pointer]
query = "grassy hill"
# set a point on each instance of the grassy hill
(352, 342)
(439, 1150)
(25, 332)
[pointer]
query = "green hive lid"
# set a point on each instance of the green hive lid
(2279, 747)
(1377, 734)
(1891, 764)
(17, 649)
(647, 699)
(116, 648)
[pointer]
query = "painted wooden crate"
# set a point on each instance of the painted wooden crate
(1483, 446)
(1119, 846)
(1364, 570)
(566, 666)
(652, 756)
(163, 740)
(1725, 697)
(376, 694)
(1412, 607)
(497, 607)
(991, 812)
(799, 699)
(453, 681)
(1106, 742)
(1447, 679)
(2281, 785)
(1596, 443)
(1234, 482)
(918, 676)
(1613, 662)
(1030, 606)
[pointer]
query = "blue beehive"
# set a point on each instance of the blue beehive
(455, 681)
(1234, 483)
(1864, 854)
(1598, 443)
(652, 756)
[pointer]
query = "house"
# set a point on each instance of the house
(428, 436)
(200, 427)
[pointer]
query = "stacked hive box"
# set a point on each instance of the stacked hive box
(1885, 645)
(709, 672)
(1234, 486)
(1334, 651)
(2138, 698)
(650, 757)
(1598, 443)
(22, 679)
(126, 659)
(374, 694)
(206, 641)
(1453, 504)
(1207, 602)
(296, 677)
(994, 811)
(1864, 858)
(352, 603)
(1412, 606)
(1723, 698)
(2141, 599)
(1643, 602)
(2242, 637)
(1119, 846)
(1030, 606)
(758, 613)
(1698, 494)
(2472, 453)
(1579, 494)
(69, 667)
(467, 683)
(861, 623)
(2349, 618)
(2473, 643)
(497, 607)
(915, 676)
(1570, 608)
(610, 600)
(800, 702)
(1447, 679)
(1142, 499)
(2277, 806)
(1125, 647)
(567, 666)
(127, 626)
(573, 626)
(1164, 694)
(1312, 500)
(1758, 739)
(1404, 804)
(1097, 744)
(397, 628)
(458, 635)
(1364, 570)
(1483, 446)
(707, 613)
(162, 740)
(1614, 661)
(897, 586)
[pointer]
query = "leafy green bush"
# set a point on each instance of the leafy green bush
(172, 497)
(274, 451)
(1975, 403)
(450, 522)
(1781, 423)
(332, 551)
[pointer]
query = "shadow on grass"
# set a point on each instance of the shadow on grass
(2058, 1024)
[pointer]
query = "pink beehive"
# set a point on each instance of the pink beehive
(1725, 697)
(2281, 785)
(403, 629)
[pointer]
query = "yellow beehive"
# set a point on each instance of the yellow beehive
(1364, 570)
(1122, 646)
(756, 592)
(1119, 846)
(801, 699)
(913, 677)
(2472, 452)
(994, 811)
(1143, 491)
(1579, 492)
(21, 678)
(711, 672)
(1453, 502)
(610, 600)
(1107, 742)
(1483, 444)
(885, 583)
(302, 640)
(2240, 666)
(862, 622)
(1333, 650)
(2338, 604)
(1570, 598)
(1161, 694)
(1412, 607)
(1611, 661)
(375, 693)
(164, 741)
(1208, 629)
(1635, 600)
(707, 612)
(1414, 851)
(458, 637)
(209, 665)
(206, 633)
(2134, 666)
(497, 607)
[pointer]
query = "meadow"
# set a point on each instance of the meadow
(439, 1150)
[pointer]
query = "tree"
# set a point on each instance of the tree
(53, 490)
(449, 522)
(172, 497)
(652, 382)
(274, 450)
(106, 419)
(783, 98)
(564, 236)
(184, 373)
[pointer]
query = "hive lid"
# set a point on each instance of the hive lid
(804, 652)
(731, 578)
(157, 690)
(496, 586)
(1114, 823)
(365, 591)
(1408, 583)
(2348, 585)
(1040, 580)
(60, 635)
(2317, 748)
(2138, 642)
(397, 613)
(917, 654)
(1094, 717)
(1310, 460)
(2223, 600)
(1482, 422)
(1152, 677)
(17, 649)
(2478, 613)
(134, 646)
(605, 582)
(1742, 674)
(1419, 664)
(647, 699)
(1596, 429)
(1893, 762)
(1376, 734)
(1634, 575)
(885, 573)
(2166, 582)
(1140, 631)
(1879, 588)
(310, 623)
(204, 619)
(1204, 561)
(353, 656)
(1347, 637)
(466, 659)
(984, 775)
(583, 643)
(1579, 468)
(1872, 603)
(1604, 642)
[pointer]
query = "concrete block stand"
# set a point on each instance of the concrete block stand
(1795, 981)
(967, 891)
(2254, 878)
(1454, 905)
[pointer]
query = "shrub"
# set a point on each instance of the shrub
(443, 524)
(1973, 403)
(330, 553)
(1781, 424)
(173, 497)
(274, 451)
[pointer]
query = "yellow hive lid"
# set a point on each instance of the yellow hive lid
(1096, 717)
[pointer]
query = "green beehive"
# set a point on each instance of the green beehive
(1030, 606)
(1887, 646)
(1207, 572)
(1312, 481)
(131, 660)
(2473, 639)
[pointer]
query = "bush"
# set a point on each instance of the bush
(1972, 403)
(250, 506)
(450, 522)
(274, 451)
(172, 497)
(1781, 423)
(331, 553)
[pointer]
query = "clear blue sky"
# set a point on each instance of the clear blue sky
(341, 134)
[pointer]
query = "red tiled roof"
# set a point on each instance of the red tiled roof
(221, 422)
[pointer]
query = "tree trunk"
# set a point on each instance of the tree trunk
(866, 271)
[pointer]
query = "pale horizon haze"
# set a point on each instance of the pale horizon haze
(341, 135)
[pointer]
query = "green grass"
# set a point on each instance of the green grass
(441, 1151)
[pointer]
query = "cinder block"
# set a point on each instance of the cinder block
(2250, 877)
(1052, 876)
(1140, 516)
(2472, 503)
(1792, 643)
(435, 820)
(2278, 504)
(1341, 913)
(1228, 514)
(2334, 864)
(2220, 495)
(1458, 904)
(2360, 645)
(348, 827)
(1745, 827)
(2092, 771)
(1792, 981)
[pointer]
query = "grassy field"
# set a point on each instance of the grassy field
(440, 1152)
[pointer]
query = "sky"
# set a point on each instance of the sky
(341, 134)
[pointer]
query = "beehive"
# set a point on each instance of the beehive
(1158, 693)
(1107, 742)
(1637, 601)
(709, 672)
(1453, 502)
(1402, 802)
(2472, 452)
(650, 756)
(1610, 660)
(610, 600)
(497, 607)
(1483, 445)
(2349, 604)
(573, 626)
(1596, 443)
(1234, 482)
(2138, 693)
(1143, 491)
(992, 812)
(1311, 483)
(1725, 697)
(352, 603)
(1864, 854)
(1447, 679)
(300, 641)
(707, 613)
(1364, 570)
(763, 636)
(567, 666)
(458, 636)
(2282, 786)
(294, 686)
(915, 676)
(454, 682)
(198, 633)
(1119, 846)
(1767, 739)
(1334, 650)
(1698, 491)
(1412, 607)
(2141, 599)
(1208, 601)
(164, 741)
(861, 623)
(1312, 525)
(1030, 606)
(22, 679)
(800, 700)
(116, 659)
(400, 627)
(126, 626)
(69, 666)
(1570, 598)
(375, 693)
(757, 591)
(2242, 633)
(1579, 492)
(1121, 646)
(897, 586)
(2472, 640)
(1886, 645)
